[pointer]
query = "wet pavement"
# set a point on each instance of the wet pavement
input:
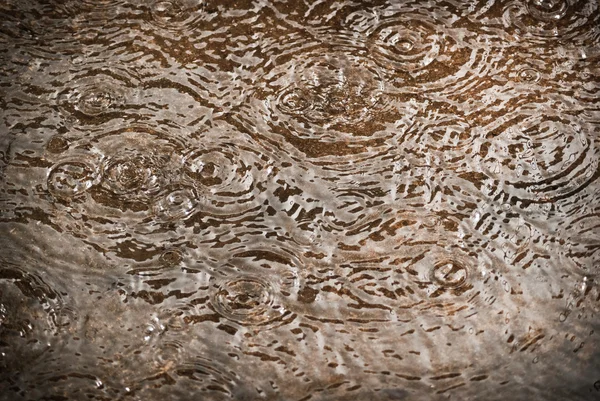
(299, 200)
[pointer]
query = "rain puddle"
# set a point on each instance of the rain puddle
(299, 200)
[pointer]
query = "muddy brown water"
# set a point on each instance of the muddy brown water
(299, 200)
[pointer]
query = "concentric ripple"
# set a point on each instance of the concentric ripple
(227, 176)
(550, 18)
(206, 377)
(418, 267)
(175, 15)
(326, 93)
(171, 257)
(93, 98)
(256, 286)
(322, 105)
(246, 300)
(96, 94)
(331, 98)
(449, 274)
(32, 315)
(139, 162)
(176, 203)
(448, 143)
(130, 178)
(528, 75)
(444, 271)
(407, 44)
(547, 10)
(123, 174)
(71, 178)
(423, 53)
(541, 158)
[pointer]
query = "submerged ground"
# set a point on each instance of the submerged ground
(299, 200)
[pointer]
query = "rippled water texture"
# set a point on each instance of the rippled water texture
(299, 200)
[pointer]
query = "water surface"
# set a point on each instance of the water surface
(299, 200)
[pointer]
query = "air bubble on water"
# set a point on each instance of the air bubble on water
(583, 285)
(148, 333)
(153, 329)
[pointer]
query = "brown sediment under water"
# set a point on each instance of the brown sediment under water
(299, 200)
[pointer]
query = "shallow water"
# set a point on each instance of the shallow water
(299, 200)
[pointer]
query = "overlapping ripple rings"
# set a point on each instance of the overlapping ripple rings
(299, 200)
(322, 99)
(551, 19)
(34, 319)
(545, 158)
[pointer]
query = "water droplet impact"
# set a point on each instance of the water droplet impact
(406, 44)
(176, 204)
(542, 158)
(547, 10)
(139, 165)
(294, 101)
(124, 176)
(332, 92)
(449, 274)
(176, 16)
(550, 19)
(167, 11)
(210, 167)
(68, 179)
(93, 100)
(529, 75)
(171, 257)
(226, 177)
(247, 300)
(92, 95)
(57, 144)
(95, 103)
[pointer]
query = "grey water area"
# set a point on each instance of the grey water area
(295, 200)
